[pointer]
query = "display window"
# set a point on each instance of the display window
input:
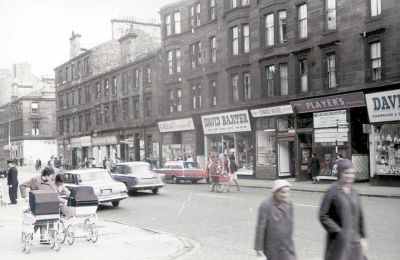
(266, 153)
(387, 149)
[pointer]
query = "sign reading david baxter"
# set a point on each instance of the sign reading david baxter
(383, 106)
(230, 122)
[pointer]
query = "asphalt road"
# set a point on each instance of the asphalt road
(223, 224)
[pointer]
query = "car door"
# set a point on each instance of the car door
(118, 173)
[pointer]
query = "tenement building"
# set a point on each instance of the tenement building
(28, 128)
(105, 97)
(274, 81)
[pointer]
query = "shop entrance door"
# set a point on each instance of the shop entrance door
(285, 157)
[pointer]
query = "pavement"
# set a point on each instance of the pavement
(131, 242)
(116, 240)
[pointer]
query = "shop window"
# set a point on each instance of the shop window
(266, 147)
(387, 149)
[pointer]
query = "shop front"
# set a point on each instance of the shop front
(325, 126)
(384, 134)
(275, 138)
(104, 146)
(178, 140)
(227, 133)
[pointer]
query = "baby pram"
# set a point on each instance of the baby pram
(220, 183)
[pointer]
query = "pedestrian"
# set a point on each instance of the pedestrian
(189, 159)
(314, 167)
(12, 182)
(21, 161)
(342, 217)
(38, 164)
(93, 162)
(212, 171)
(274, 231)
(233, 168)
(105, 162)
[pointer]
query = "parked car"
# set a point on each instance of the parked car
(137, 176)
(105, 187)
(177, 171)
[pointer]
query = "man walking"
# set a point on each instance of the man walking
(12, 182)
(314, 166)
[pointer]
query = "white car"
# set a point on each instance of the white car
(104, 186)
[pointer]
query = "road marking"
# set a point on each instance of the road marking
(305, 205)
(215, 196)
(183, 205)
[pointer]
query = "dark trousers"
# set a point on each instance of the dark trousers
(13, 193)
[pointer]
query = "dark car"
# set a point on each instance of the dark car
(137, 176)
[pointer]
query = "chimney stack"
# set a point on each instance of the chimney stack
(75, 45)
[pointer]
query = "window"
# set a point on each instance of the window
(247, 86)
(178, 60)
(98, 115)
(79, 69)
(88, 121)
(212, 12)
(171, 101)
(303, 72)
(245, 2)
(177, 22)
(148, 75)
(61, 126)
(80, 122)
(375, 7)
(376, 63)
(124, 82)
(195, 15)
(114, 86)
(148, 107)
(114, 111)
(302, 21)
(213, 49)
(282, 26)
(60, 101)
(235, 40)
(331, 69)
(98, 90)
(75, 97)
(269, 30)
(235, 87)
(68, 99)
(237, 3)
(246, 38)
(86, 65)
(72, 71)
(106, 112)
(35, 108)
(270, 75)
(125, 109)
(168, 25)
(169, 62)
(136, 78)
(213, 91)
(174, 100)
(35, 127)
(195, 54)
(80, 98)
(179, 100)
(196, 97)
(136, 109)
(283, 75)
(87, 94)
(106, 87)
(233, 3)
(330, 6)
(67, 74)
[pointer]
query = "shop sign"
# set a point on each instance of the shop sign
(383, 106)
(329, 119)
(272, 111)
(176, 125)
(86, 141)
(104, 140)
(230, 122)
(75, 142)
(329, 103)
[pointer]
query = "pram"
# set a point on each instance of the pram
(45, 217)
(80, 214)
(221, 183)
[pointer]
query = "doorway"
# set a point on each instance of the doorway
(285, 159)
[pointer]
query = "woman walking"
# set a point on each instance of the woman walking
(275, 225)
(342, 217)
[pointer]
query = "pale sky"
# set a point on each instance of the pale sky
(38, 31)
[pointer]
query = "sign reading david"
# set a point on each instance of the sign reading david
(383, 106)
(230, 122)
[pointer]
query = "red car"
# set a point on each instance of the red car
(177, 171)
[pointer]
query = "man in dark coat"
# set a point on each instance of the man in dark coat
(314, 167)
(274, 230)
(12, 182)
(342, 217)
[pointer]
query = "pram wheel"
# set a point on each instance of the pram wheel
(90, 230)
(62, 230)
(54, 240)
(70, 235)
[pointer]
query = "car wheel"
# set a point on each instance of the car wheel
(194, 181)
(115, 203)
(175, 180)
(155, 190)
(131, 192)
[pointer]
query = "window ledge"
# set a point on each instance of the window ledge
(302, 39)
(371, 19)
(328, 32)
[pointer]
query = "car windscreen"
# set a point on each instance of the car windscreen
(139, 168)
(94, 176)
(191, 165)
